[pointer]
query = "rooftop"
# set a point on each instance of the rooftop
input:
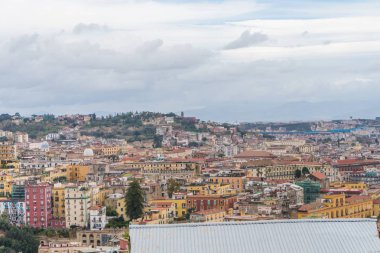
(306, 236)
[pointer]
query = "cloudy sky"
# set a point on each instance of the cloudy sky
(219, 60)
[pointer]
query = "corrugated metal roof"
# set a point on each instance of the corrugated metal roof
(280, 236)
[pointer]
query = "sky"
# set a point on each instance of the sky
(238, 60)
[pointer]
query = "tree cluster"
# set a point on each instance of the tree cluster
(15, 239)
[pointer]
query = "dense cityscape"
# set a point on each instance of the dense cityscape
(189, 126)
(80, 183)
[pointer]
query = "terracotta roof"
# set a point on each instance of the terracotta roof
(357, 199)
(355, 162)
(305, 208)
(318, 175)
(255, 154)
(97, 207)
(186, 160)
(263, 162)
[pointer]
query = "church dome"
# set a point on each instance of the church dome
(88, 152)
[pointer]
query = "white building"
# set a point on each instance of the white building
(97, 217)
(52, 136)
(6, 134)
(21, 137)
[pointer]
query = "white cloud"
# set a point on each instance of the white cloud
(84, 28)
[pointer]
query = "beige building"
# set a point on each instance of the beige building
(21, 137)
(110, 150)
(213, 215)
(307, 148)
(290, 142)
(165, 167)
(77, 202)
(287, 170)
(90, 238)
(62, 247)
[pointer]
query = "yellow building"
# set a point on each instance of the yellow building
(54, 174)
(10, 166)
(73, 173)
(159, 213)
(235, 183)
(120, 208)
(179, 206)
(351, 186)
(116, 202)
(376, 207)
(8, 152)
(58, 194)
(5, 184)
(338, 206)
(374, 193)
(77, 173)
(98, 195)
(210, 189)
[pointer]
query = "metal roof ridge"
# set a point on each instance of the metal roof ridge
(242, 223)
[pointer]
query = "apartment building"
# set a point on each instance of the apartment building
(77, 202)
(8, 152)
(58, 194)
(38, 205)
(338, 206)
(158, 167)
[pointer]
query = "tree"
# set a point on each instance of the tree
(110, 211)
(157, 141)
(17, 239)
(305, 171)
(118, 222)
(173, 186)
(60, 179)
(193, 144)
(134, 199)
(189, 212)
(297, 173)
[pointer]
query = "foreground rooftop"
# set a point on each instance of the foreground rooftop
(314, 236)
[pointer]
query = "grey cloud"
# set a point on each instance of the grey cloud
(22, 42)
(247, 39)
(85, 28)
(150, 46)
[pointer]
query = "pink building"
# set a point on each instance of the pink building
(38, 205)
